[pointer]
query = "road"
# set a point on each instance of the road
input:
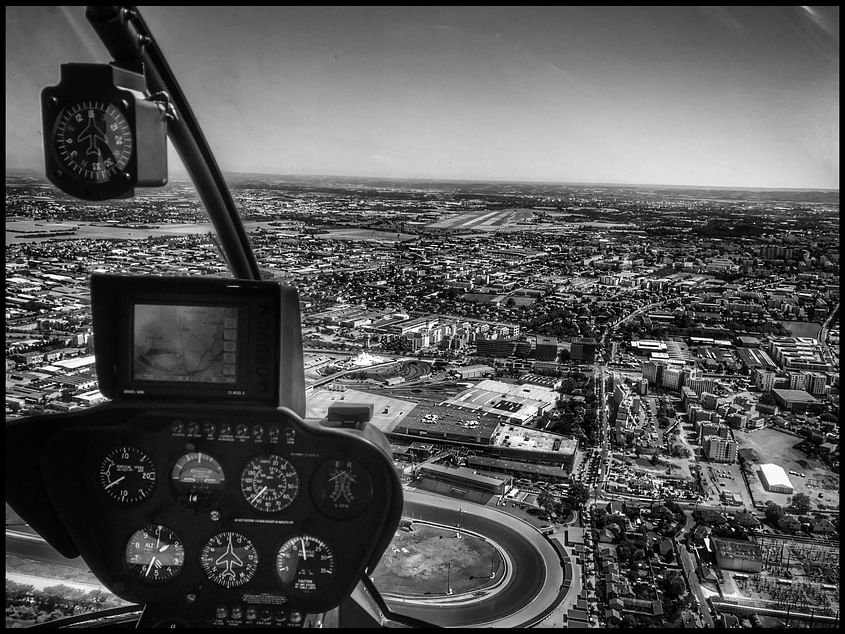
(823, 335)
(688, 564)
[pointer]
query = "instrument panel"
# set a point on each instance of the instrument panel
(225, 515)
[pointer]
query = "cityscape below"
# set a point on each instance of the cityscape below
(641, 382)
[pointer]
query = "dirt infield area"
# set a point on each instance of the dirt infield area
(417, 562)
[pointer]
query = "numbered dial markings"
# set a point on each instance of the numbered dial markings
(93, 140)
(269, 483)
(229, 559)
(305, 564)
(197, 478)
(127, 475)
(154, 554)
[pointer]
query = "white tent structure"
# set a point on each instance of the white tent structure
(775, 479)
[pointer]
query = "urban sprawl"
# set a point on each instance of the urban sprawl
(648, 376)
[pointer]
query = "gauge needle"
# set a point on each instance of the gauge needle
(150, 567)
(163, 548)
(258, 495)
(108, 486)
(304, 557)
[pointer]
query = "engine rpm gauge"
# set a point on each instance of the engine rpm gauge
(154, 554)
(305, 564)
(269, 483)
(229, 559)
(127, 475)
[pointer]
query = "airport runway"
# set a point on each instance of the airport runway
(533, 587)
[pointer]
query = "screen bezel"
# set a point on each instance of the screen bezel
(269, 368)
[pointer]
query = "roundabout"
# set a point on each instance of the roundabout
(524, 588)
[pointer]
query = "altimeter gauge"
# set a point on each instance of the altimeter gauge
(154, 554)
(269, 483)
(229, 559)
(305, 564)
(127, 475)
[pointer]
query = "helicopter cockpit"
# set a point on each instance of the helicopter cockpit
(198, 491)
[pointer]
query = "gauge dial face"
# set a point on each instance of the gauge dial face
(269, 483)
(154, 554)
(127, 475)
(341, 488)
(93, 140)
(197, 478)
(229, 559)
(305, 564)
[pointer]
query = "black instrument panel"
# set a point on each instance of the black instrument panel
(224, 515)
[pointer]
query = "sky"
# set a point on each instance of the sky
(698, 96)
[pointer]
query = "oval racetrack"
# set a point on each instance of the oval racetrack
(533, 587)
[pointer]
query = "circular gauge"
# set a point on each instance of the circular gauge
(154, 554)
(127, 475)
(93, 140)
(229, 559)
(197, 478)
(341, 488)
(269, 483)
(305, 564)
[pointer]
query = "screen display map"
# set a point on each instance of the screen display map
(185, 343)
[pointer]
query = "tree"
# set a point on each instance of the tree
(774, 513)
(578, 493)
(801, 502)
(674, 586)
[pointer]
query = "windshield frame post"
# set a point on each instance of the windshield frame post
(128, 39)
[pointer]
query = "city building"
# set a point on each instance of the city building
(583, 349)
(673, 379)
(733, 554)
(461, 482)
(720, 449)
(796, 400)
(546, 348)
(774, 479)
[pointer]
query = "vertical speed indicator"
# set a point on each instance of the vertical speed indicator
(127, 475)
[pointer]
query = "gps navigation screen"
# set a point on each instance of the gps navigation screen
(185, 343)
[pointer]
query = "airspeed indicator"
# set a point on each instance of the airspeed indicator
(269, 483)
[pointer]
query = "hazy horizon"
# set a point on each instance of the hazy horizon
(715, 97)
(183, 176)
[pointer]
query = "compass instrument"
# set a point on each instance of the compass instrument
(127, 475)
(102, 135)
(154, 554)
(229, 559)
